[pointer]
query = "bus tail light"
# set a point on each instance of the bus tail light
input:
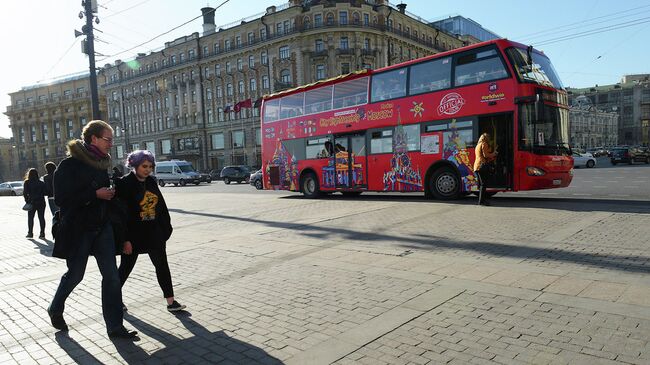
(535, 171)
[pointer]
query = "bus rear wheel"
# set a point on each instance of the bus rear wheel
(310, 187)
(444, 184)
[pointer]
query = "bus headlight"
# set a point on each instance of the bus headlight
(535, 171)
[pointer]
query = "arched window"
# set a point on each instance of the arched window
(356, 19)
(306, 22)
(285, 76)
(330, 19)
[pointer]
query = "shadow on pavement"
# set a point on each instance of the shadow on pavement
(204, 347)
(76, 352)
(632, 263)
(45, 249)
(510, 201)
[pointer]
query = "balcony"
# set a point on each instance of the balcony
(279, 86)
(319, 54)
(369, 52)
(344, 51)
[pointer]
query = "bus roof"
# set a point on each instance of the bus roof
(503, 42)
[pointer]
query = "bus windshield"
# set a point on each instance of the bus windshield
(541, 71)
(548, 135)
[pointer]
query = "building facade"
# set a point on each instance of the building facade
(43, 117)
(7, 160)
(198, 98)
(464, 27)
(630, 99)
(590, 127)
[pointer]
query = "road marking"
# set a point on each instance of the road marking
(581, 194)
(619, 195)
(548, 193)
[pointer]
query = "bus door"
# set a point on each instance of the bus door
(351, 162)
(500, 128)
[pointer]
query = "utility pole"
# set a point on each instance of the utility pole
(88, 47)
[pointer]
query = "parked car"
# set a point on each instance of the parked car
(205, 177)
(238, 173)
(12, 188)
(630, 155)
(598, 151)
(256, 180)
(176, 172)
(583, 159)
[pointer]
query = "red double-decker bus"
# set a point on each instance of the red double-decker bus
(413, 126)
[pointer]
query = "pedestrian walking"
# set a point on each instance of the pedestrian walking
(81, 186)
(484, 165)
(48, 179)
(34, 194)
(148, 225)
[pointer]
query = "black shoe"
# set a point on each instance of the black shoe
(57, 321)
(42, 235)
(29, 235)
(123, 333)
(175, 307)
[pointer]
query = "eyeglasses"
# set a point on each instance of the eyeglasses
(109, 140)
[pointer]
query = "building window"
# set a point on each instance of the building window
(251, 61)
(208, 93)
(205, 50)
(265, 82)
(264, 58)
(57, 130)
(366, 44)
(318, 20)
(318, 46)
(251, 37)
(181, 57)
(217, 48)
(241, 87)
(343, 43)
(165, 146)
(217, 69)
(240, 64)
(229, 91)
(284, 52)
(343, 17)
(285, 76)
(191, 54)
(219, 92)
(220, 115)
(320, 72)
(228, 68)
(44, 132)
(345, 68)
(237, 139)
(330, 19)
(252, 85)
(217, 141)
(238, 41)
(210, 116)
(227, 45)
(263, 33)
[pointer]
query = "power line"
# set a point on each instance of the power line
(594, 31)
(58, 61)
(167, 32)
(127, 9)
(580, 22)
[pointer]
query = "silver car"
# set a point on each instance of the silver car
(11, 188)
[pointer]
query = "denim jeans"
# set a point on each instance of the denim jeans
(101, 244)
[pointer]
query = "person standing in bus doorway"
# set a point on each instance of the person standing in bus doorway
(48, 179)
(148, 225)
(81, 189)
(484, 165)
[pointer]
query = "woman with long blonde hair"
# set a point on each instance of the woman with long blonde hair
(483, 164)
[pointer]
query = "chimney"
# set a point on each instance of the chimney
(208, 20)
(401, 7)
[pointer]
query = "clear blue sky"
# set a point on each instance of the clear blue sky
(36, 34)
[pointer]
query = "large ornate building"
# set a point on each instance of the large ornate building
(196, 98)
(630, 99)
(43, 116)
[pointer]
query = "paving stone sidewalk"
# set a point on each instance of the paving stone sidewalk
(275, 280)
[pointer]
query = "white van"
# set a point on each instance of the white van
(177, 172)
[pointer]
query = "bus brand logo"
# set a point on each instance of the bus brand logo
(451, 104)
(493, 87)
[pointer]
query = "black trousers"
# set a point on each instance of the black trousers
(41, 217)
(482, 196)
(159, 261)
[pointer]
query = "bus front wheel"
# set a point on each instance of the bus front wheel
(444, 184)
(310, 187)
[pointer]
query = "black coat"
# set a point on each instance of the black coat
(48, 180)
(75, 181)
(34, 193)
(148, 224)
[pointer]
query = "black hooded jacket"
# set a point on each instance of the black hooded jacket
(75, 181)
